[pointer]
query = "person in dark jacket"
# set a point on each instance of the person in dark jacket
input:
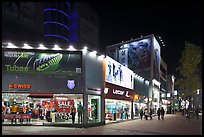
(158, 113)
(162, 113)
(150, 113)
(141, 113)
(197, 113)
(146, 113)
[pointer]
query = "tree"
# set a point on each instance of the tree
(190, 79)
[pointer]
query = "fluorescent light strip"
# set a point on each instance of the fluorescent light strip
(54, 9)
(55, 35)
(53, 22)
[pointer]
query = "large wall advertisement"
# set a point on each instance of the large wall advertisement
(41, 62)
(118, 74)
(139, 54)
(156, 60)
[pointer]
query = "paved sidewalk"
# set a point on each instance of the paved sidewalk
(173, 124)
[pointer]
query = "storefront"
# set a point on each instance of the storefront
(45, 87)
(118, 103)
(138, 104)
(118, 91)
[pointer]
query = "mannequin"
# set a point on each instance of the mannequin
(3, 110)
(14, 109)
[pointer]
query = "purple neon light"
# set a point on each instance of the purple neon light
(55, 35)
(53, 22)
(68, 5)
(54, 9)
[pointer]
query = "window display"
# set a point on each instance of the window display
(117, 110)
(20, 108)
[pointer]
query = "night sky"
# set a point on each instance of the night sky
(175, 21)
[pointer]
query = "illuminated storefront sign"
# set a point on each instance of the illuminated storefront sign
(20, 86)
(136, 97)
(45, 62)
(115, 92)
(118, 74)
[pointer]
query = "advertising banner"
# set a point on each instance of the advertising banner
(59, 105)
(118, 74)
(139, 54)
(156, 60)
(116, 92)
(40, 62)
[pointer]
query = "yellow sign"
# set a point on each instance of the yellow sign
(136, 97)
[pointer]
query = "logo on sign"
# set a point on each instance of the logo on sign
(127, 95)
(106, 90)
(70, 84)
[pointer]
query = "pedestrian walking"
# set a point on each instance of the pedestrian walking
(162, 113)
(146, 113)
(141, 113)
(158, 113)
(126, 113)
(183, 112)
(121, 112)
(150, 113)
(197, 113)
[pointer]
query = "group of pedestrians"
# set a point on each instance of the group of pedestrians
(160, 113)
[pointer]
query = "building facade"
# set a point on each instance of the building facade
(49, 87)
(142, 55)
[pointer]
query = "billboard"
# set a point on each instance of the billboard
(118, 74)
(139, 54)
(40, 62)
(156, 60)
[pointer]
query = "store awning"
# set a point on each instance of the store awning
(41, 95)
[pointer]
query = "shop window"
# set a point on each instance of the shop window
(94, 108)
(23, 108)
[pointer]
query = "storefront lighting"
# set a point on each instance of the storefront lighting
(11, 45)
(26, 46)
(147, 82)
(56, 47)
(71, 48)
(84, 50)
(101, 57)
(93, 53)
(41, 46)
(154, 81)
(197, 91)
(125, 45)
